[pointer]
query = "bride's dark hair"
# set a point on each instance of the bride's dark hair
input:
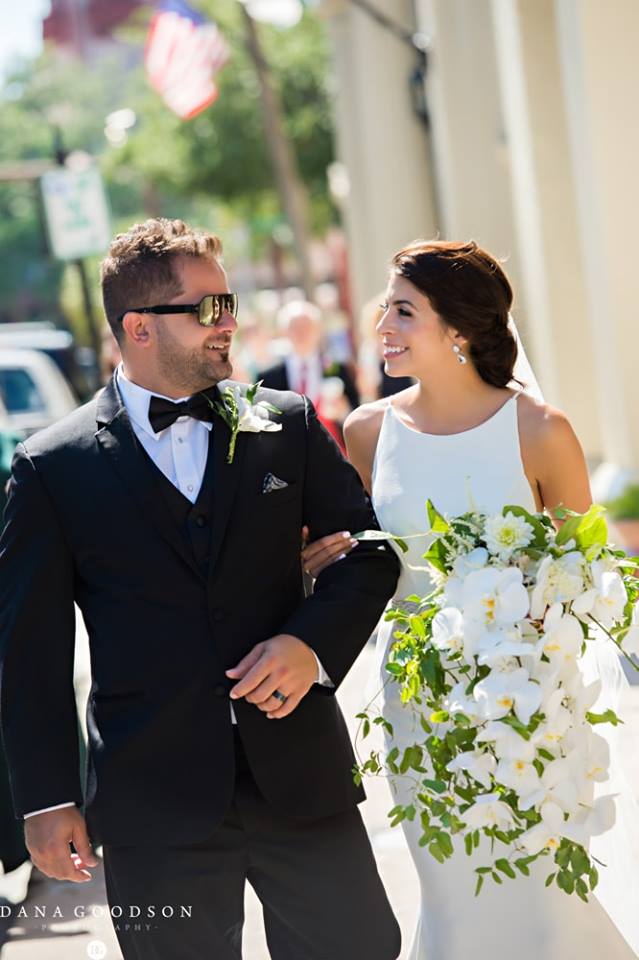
(470, 292)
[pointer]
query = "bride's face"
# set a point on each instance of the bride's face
(415, 339)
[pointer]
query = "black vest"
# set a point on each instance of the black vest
(192, 519)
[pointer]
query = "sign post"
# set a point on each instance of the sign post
(78, 224)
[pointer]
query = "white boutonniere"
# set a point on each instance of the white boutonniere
(242, 415)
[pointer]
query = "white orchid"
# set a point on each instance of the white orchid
(557, 787)
(499, 647)
(558, 581)
(591, 821)
(562, 639)
(469, 562)
(448, 630)
(506, 742)
(499, 693)
(456, 701)
(606, 600)
(495, 597)
(489, 810)
(505, 535)
(545, 835)
(580, 697)
(500, 674)
(517, 775)
(557, 723)
(477, 763)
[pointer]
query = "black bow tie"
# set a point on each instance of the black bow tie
(162, 412)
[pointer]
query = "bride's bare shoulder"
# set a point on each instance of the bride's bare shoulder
(366, 419)
(543, 428)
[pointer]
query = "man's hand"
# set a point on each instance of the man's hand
(48, 836)
(284, 663)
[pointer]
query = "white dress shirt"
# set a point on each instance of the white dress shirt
(180, 452)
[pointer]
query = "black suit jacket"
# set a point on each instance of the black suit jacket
(276, 378)
(86, 523)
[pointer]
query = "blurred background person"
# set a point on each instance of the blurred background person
(307, 369)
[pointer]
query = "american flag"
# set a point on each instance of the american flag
(183, 53)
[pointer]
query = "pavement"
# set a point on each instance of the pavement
(66, 921)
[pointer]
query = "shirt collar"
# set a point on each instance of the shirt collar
(136, 399)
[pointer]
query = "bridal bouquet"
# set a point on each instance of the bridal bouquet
(491, 661)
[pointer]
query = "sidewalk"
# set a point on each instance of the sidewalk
(70, 937)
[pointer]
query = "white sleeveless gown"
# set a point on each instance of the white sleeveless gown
(480, 469)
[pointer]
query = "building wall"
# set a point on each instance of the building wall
(381, 142)
(533, 152)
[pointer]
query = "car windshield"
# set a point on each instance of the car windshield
(19, 392)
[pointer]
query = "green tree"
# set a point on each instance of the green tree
(214, 169)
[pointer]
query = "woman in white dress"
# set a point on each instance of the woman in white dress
(464, 437)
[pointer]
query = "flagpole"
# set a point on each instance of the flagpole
(289, 183)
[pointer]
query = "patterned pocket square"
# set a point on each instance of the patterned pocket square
(270, 483)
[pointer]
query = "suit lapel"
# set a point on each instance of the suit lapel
(226, 481)
(118, 441)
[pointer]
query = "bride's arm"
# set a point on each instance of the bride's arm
(553, 458)
(361, 431)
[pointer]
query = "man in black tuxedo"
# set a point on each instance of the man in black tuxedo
(305, 368)
(217, 751)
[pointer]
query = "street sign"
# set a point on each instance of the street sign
(76, 211)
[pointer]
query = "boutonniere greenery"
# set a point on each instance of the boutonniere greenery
(242, 414)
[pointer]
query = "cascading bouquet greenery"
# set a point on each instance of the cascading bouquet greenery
(490, 660)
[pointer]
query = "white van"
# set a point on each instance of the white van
(33, 390)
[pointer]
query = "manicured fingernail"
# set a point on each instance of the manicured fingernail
(354, 543)
(342, 556)
(346, 535)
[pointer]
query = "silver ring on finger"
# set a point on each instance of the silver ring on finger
(280, 696)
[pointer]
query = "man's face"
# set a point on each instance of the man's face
(191, 357)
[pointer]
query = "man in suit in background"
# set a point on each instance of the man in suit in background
(305, 368)
(217, 751)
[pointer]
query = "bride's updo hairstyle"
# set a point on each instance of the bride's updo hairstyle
(471, 293)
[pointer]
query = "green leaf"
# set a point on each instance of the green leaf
(446, 843)
(549, 879)
(438, 524)
(468, 844)
(480, 883)
(517, 725)
(438, 786)
(436, 851)
(608, 716)
(522, 866)
(440, 716)
(503, 865)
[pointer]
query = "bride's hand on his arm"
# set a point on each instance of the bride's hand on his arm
(321, 553)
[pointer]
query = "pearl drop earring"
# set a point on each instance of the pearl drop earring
(457, 350)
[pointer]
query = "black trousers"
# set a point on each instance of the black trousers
(317, 881)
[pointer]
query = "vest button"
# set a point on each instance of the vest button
(200, 521)
(220, 690)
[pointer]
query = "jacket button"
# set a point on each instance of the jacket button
(218, 615)
(220, 690)
(200, 521)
